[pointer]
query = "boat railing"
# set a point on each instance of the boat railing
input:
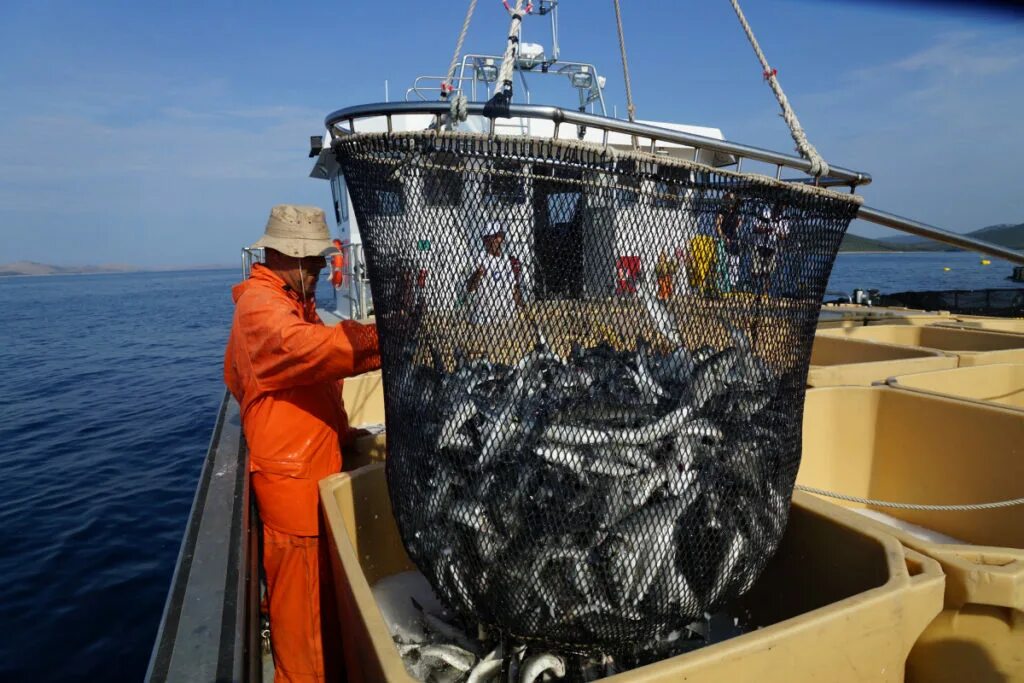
(249, 257)
(429, 88)
(354, 293)
(477, 76)
(210, 629)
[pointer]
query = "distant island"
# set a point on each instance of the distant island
(23, 268)
(1005, 235)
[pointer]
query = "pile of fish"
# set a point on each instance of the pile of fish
(596, 499)
(436, 645)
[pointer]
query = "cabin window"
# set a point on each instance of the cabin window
(506, 184)
(389, 199)
(340, 194)
(442, 184)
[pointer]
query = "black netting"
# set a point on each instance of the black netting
(593, 420)
(997, 302)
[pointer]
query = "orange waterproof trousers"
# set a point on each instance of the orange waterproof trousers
(299, 613)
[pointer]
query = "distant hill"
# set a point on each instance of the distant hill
(853, 242)
(34, 268)
(1005, 235)
(1011, 236)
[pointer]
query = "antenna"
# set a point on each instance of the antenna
(387, 98)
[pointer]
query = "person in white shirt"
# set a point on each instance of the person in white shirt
(494, 287)
(772, 227)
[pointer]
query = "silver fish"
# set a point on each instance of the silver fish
(540, 665)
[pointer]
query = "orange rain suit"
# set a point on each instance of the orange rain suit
(285, 368)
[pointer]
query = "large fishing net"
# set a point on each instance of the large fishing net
(594, 368)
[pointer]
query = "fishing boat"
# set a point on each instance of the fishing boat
(212, 627)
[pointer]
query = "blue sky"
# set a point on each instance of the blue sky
(160, 133)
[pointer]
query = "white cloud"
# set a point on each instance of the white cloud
(965, 54)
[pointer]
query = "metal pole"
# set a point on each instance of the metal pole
(913, 227)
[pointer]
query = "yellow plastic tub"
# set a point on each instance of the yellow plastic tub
(972, 347)
(903, 446)
(364, 399)
(838, 602)
(1000, 384)
(916, 318)
(978, 322)
(853, 311)
(838, 361)
(364, 403)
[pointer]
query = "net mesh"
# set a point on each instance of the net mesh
(594, 368)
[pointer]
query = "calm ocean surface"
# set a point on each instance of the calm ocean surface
(108, 392)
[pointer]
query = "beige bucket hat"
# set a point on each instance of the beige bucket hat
(298, 231)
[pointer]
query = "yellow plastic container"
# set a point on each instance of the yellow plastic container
(915, 318)
(904, 446)
(977, 322)
(853, 311)
(838, 361)
(972, 347)
(364, 399)
(364, 403)
(839, 603)
(1000, 384)
(828, 320)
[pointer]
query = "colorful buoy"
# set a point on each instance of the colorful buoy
(985, 262)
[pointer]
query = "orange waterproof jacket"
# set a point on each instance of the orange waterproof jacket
(286, 368)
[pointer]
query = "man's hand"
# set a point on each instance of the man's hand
(474, 279)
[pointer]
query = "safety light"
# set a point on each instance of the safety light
(487, 71)
(583, 79)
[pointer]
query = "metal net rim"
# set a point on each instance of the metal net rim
(579, 152)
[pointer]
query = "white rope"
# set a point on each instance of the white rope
(818, 166)
(508, 60)
(630, 109)
(459, 42)
(459, 109)
(912, 506)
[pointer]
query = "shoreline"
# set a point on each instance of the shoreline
(175, 269)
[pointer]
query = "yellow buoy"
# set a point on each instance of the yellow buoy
(985, 262)
(947, 269)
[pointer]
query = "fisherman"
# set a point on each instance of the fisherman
(665, 270)
(286, 368)
(771, 229)
(494, 285)
(727, 225)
